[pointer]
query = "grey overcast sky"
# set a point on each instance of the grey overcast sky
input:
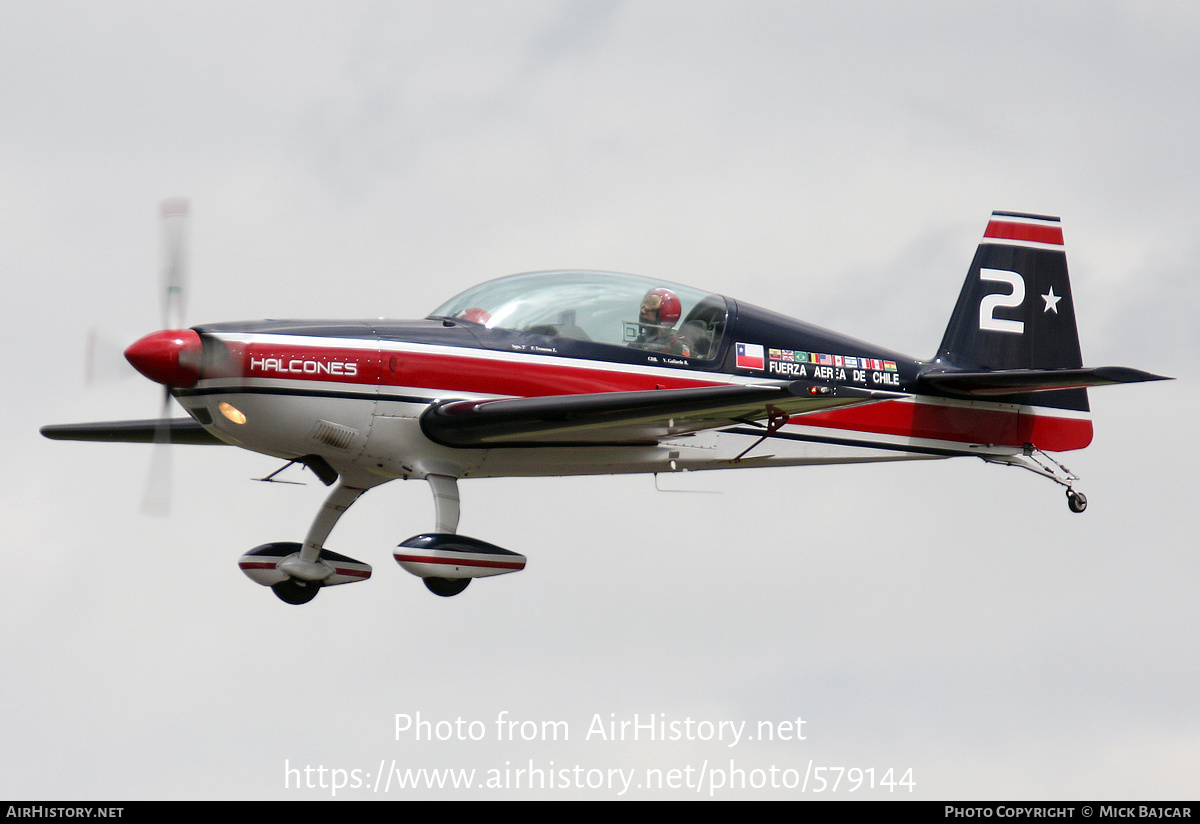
(833, 161)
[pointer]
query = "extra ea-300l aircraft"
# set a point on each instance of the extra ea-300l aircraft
(596, 373)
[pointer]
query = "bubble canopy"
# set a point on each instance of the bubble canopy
(603, 307)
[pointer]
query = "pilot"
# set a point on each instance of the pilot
(476, 315)
(660, 311)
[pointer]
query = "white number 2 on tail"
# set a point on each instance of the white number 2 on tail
(987, 306)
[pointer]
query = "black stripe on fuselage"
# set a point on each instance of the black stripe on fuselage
(302, 393)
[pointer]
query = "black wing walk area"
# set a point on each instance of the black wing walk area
(176, 430)
(626, 418)
(1017, 381)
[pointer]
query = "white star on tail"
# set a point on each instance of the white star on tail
(1051, 301)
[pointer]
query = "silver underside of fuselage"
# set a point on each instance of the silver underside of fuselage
(383, 438)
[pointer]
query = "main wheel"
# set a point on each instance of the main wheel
(1076, 501)
(296, 592)
(446, 587)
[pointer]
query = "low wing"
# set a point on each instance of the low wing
(1018, 381)
(175, 430)
(626, 418)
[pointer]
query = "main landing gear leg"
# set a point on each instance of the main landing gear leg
(305, 570)
(1038, 462)
(445, 502)
(445, 505)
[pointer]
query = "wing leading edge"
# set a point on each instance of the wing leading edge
(626, 418)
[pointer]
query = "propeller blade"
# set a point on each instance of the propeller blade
(157, 500)
(104, 360)
(174, 269)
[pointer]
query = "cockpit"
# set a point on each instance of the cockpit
(602, 307)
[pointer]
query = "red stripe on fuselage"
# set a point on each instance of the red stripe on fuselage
(956, 423)
(520, 376)
(1001, 229)
(1055, 434)
(511, 377)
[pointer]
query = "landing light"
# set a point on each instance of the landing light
(230, 411)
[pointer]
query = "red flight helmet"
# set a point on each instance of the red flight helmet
(661, 306)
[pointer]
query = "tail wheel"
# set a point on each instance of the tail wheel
(446, 587)
(296, 592)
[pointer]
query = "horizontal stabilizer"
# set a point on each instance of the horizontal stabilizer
(626, 418)
(1020, 381)
(174, 430)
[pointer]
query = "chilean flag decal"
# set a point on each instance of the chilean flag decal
(749, 356)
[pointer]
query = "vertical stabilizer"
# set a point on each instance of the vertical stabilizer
(1015, 310)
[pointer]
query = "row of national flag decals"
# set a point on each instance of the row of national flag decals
(750, 356)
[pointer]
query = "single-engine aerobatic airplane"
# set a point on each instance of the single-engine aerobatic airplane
(596, 373)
